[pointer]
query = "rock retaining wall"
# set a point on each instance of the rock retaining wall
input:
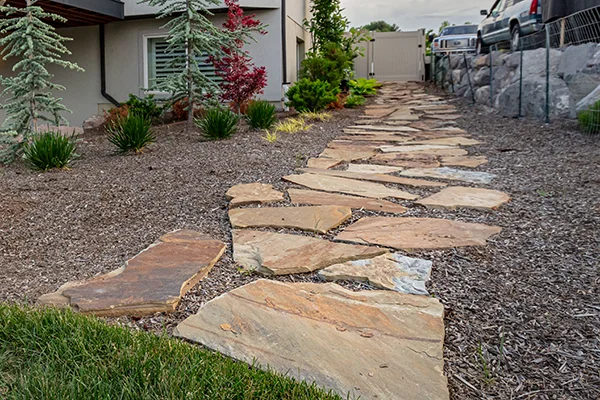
(574, 80)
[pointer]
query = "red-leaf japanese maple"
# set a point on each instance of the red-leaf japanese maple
(242, 80)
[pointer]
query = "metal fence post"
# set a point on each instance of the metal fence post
(451, 71)
(491, 77)
(547, 75)
(469, 77)
(521, 83)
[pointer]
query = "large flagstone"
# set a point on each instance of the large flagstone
(347, 154)
(389, 271)
(272, 253)
(323, 163)
(253, 193)
(319, 219)
(417, 233)
(348, 186)
(372, 344)
(465, 197)
(448, 141)
(464, 161)
(153, 281)
(384, 128)
(299, 196)
(380, 178)
(450, 174)
(414, 148)
(373, 169)
(407, 160)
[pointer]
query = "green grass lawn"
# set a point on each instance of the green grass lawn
(53, 354)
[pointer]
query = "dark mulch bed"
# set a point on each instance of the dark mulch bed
(522, 313)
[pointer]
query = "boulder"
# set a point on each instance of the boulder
(482, 61)
(589, 100)
(534, 63)
(482, 77)
(482, 95)
(513, 60)
(582, 83)
(500, 76)
(93, 122)
(498, 58)
(575, 59)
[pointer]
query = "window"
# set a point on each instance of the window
(300, 54)
(158, 60)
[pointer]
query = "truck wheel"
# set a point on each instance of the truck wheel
(515, 38)
(481, 48)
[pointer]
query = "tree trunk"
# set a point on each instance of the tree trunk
(190, 55)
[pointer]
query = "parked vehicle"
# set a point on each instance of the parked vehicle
(508, 21)
(456, 39)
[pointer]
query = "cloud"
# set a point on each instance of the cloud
(414, 14)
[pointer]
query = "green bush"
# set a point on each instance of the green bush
(589, 120)
(131, 133)
(307, 95)
(354, 100)
(330, 65)
(364, 87)
(218, 123)
(260, 115)
(50, 150)
(145, 107)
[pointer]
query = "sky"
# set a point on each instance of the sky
(414, 14)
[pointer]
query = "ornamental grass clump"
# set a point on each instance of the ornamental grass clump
(316, 116)
(218, 123)
(131, 133)
(589, 120)
(260, 115)
(292, 125)
(50, 150)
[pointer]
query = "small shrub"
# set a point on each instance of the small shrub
(364, 87)
(180, 113)
(330, 65)
(354, 100)
(131, 133)
(50, 150)
(218, 123)
(144, 107)
(292, 125)
(339, 103)
(116, 114)
(260, 115)
(271, 137)
(313, 96)
(316, 116)
(589, 120)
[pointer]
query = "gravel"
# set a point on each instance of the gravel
(522, 313)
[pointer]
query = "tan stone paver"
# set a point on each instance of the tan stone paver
(252, 193)
(300, 196)
(465, 197)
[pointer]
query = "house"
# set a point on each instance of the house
(121, 46)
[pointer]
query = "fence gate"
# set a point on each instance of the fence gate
(393, 56)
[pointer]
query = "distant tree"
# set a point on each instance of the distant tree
(444, 25)
(380, 26)
(468, 23)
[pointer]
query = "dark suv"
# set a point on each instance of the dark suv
(508, 21)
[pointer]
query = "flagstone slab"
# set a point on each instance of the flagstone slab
(447, 141)
(384, 128)
(429, 125)
(397, 122)
(153, 281)
(439, 111)
(319, 219)
(252, 193)
(407, 160)
(299, 196)
(271, 253)
(348, 186)
(450, 174)
(465, 197)
(347, 154)
(378, 112)
(323, 163)
(443, 117)
(380, 178)
(372, 344)
(390, 271)
(417, 233)
(464, 161)
(422, 148)
(377, 138)
(373, 169)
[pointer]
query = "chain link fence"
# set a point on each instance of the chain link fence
(554, 73)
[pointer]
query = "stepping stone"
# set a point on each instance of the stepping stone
(433, 125)
(379, 133)
(253, 193)
(368, 121)
(380, 178)
(407, 160)
(378, 112)
(348, 154)
(447, 117)
(323, 163)
(450, 174)
(300, 196)
(465, 197)
(153, 281)
(422, 148)
(372, 344)
(390, 271)
(384, 128)
(448, 141)
(464, 161)
(348, 186)
(440, 111)
(417, 233)
(373, 169)
(377, 138)
(270, 253)
(320, 219)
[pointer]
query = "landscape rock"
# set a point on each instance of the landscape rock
(299, 196)
(323, 163)
(465, 197)
(417, 233)
(252, 193)
(373, 169)
(407, 160)
(589, 100)
(390, 271)
(464, 161)
(270, 253)
(372, 344)
(482, 95)
(380, 178)
(93, 122)
(482, 77)
(153, 281)
(482, 61)
(450, 174)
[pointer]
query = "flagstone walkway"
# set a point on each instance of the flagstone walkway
(404, 152)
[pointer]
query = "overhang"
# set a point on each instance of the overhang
(81, 12)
